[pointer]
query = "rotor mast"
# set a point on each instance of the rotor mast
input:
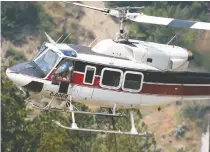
(120, 12)
(123, 14)
(122, 17)
(121, 36)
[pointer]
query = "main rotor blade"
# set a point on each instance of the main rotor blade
(127, 8)
(168, 21)
(87, 6)
(137, 7)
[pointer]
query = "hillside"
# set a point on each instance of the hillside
(203, 44)
(164, 123)
(101, 25)
(85, 26)
(104, 27)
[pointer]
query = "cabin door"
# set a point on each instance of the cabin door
(120, 88)
(62, 77)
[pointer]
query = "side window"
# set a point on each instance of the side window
(111, 78)
(132, 81)
(89, 75)
(64, 71)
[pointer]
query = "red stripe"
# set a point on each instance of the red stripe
(160, 89)
(196, 90)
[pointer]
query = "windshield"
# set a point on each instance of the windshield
(42, 49)
(47, 61)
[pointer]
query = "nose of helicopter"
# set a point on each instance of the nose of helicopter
(10, 74)
(17, 78)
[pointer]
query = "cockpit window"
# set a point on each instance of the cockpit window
(47, 61)
(69, 53)
(42, 49)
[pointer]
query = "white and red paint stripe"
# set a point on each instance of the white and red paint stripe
(153, 88)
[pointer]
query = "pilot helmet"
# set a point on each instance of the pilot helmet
(65, 67)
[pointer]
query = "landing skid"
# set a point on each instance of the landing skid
(146, 134)
(72, 109)
(97, 113)
(48, 108)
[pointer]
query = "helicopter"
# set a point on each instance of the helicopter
(118, 73)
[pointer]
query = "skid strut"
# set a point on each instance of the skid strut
(72, 109)
(75, 110)
(75, 127)
(112, 114)
(133, 128)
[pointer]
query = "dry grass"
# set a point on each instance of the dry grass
(163, 123)
(104, 27)
(203, 45)
(29, 48)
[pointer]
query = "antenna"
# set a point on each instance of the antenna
(66, 37)
(90, 45)
(59, 38)
(171, 40)
(50, 39)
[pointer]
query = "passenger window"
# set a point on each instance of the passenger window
(132, 81)
(111, 78)
(89, 75)
(64, 71)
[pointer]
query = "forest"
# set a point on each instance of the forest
(19, 133)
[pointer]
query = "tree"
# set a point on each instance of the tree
(14, 137)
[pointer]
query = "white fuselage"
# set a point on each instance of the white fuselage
(155, 87)
(161, 56)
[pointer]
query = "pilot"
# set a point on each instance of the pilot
(64, 72)
(67, 74)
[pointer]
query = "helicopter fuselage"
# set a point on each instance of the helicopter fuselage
(99, 79)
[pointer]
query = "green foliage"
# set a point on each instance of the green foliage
(15, 15)
(196, 113)
(22, 19)
(181, 150)
(14, 137)
(50, 137)
(124, 143)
